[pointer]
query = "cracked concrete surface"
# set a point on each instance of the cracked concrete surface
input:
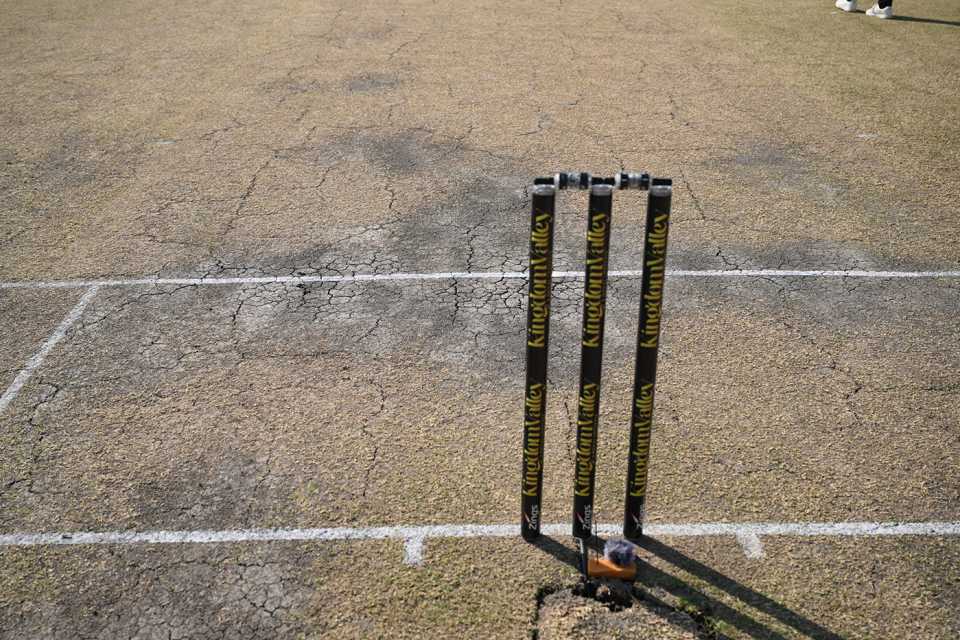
(28, 317)
(320, 401)
(295, 136)
(202, 592)
(305, 590)
(353, 404)
(287, 138)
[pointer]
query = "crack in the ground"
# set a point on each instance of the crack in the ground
(248, 191)
(697, 205)
(368, 436)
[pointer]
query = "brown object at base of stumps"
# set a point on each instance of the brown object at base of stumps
(603, 568)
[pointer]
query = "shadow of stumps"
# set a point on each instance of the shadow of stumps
(654, 579)
(650, 577)
(558, 550)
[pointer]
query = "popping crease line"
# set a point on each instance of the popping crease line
(414, 537)
(37, 359)
(475, 275)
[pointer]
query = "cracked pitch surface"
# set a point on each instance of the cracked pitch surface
(304, 590)
(271, 405)
(297, 137)
(27, 318)
(290, 137)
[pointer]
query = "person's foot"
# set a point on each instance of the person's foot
(846, 5)
(876, 12)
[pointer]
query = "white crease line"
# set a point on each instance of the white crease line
(475, 275)
(414, 536)
(830, 529)
(413, 551)
(34, 362)
(807, 273)
(752, 547)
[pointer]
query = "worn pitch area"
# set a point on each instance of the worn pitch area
(285, 138)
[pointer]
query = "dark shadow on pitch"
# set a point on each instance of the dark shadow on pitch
(948, 23)
(558, 550)
(899, 18)
(572, 558)
(565, 554)
(650, 576)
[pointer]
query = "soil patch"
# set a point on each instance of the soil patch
(613, 609)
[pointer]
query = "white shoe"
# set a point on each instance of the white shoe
(876, 12)
(846, 5)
